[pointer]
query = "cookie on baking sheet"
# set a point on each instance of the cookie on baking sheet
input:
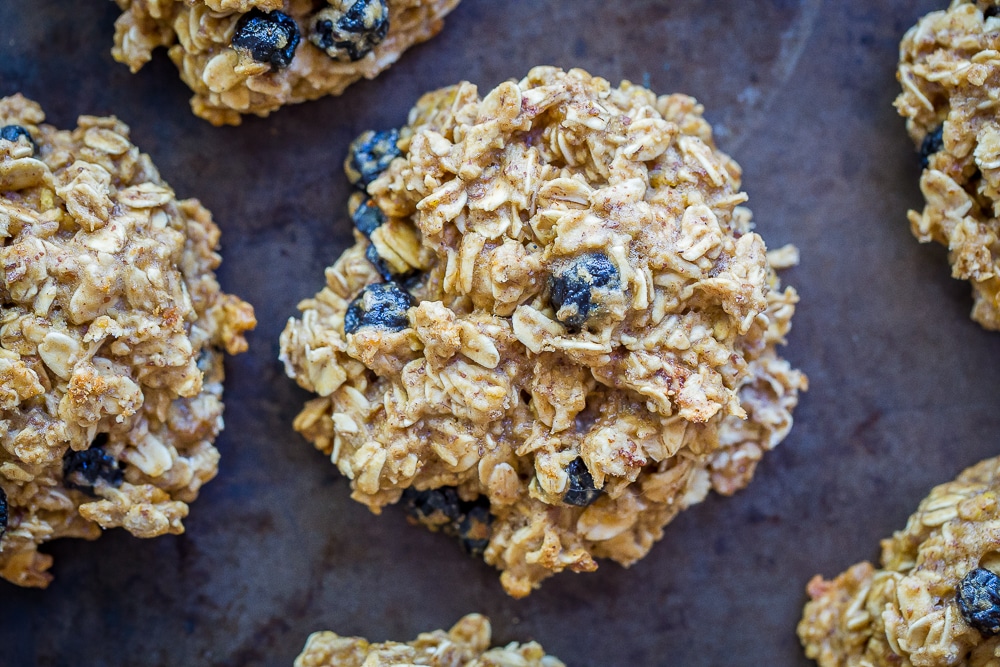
(467, 644)
(556, 328)
(949, 70)
(112, 329)
(936, 600)
(254, 56)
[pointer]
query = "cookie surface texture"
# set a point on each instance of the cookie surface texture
(949, 70)
(255, 56)
(936, 600)
(466, 644)
(555, 330)
(111, 339)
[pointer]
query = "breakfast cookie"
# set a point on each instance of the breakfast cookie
(950, 73)
(556, 328)
(254, 56)
(112, 328)
(467, 644)
(936, 602)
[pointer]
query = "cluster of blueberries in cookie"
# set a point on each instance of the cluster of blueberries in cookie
(345, 31)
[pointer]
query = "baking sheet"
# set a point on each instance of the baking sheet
(902, 383)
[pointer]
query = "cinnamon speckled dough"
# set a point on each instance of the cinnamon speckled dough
(228, 81)
(112, 328)
(466, 644)
(584, 428)
(950, 73)
(906, 614)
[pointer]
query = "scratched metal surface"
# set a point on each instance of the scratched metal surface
(903, 384)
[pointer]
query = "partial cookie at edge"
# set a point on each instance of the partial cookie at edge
(949, 70)
(466, 644)
(909, 612)
(255, 56)
(112, 329)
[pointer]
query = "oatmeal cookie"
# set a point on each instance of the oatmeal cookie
(936, 600)
(254, 56)
(556, 328)
(112, 328)
(467, 644)
(949, 70)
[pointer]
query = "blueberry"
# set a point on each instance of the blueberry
(368, 217)
(474, 528)
(381, 305)
(979, 601)
(441, 509)
(581, 491)
(3, 512)
(575, 283)
(82, 470)
(991, 11)
(205, 359)
(384, 270)
(433, 507)
(15, 132)
(932, 143)
(270, 37)
(369, 155)
(351, 34)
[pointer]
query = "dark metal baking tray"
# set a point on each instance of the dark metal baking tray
(903, 384)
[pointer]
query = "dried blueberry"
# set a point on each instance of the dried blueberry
(15, 132)
(206, 358)
(383, 268)
(368, 217)
(381, 305)
(932, 143)
(572, 288)
(474, 528)
(83, 469)
(581, 491)
(270, 37)
(369, 155)
(979, 601)
(433, 507)
(3, 512)
(470, 522)
(348, 31)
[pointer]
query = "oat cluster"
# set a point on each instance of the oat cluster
(908, 613)
(112, 327)
(467, 644)
(292, 51)
(949, 69)
(584, 426)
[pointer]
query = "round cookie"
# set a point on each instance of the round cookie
(936, 600)
(112, 328)
(949, 70)
(556, 328)
(466, 644)
(254, 56)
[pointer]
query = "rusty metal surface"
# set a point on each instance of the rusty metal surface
(903, 383)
